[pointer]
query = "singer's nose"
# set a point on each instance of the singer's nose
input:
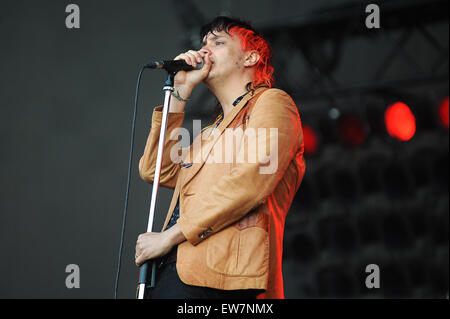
(205, 51)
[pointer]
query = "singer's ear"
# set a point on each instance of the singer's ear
(251, 58)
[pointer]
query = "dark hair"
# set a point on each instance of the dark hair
(222, 23)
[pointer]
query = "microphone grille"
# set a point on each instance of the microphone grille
(200, 65)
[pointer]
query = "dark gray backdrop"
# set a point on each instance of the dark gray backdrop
(66, 109)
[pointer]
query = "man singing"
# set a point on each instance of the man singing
(223, 235)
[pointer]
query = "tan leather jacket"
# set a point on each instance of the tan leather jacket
(232, 211)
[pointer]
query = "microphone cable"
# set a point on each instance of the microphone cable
(133, 124)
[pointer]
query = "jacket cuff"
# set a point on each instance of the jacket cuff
(192, 232)
(172, 116)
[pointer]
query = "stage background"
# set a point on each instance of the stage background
(66, 99)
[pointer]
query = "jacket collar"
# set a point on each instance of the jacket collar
(200, 157)
(235, 111)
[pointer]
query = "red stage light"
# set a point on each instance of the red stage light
(311, 142)
(352, 130)
(443, 112)
(400, 121)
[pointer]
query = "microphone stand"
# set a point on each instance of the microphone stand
(143, 270)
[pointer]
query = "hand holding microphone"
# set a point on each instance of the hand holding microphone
(185, 62)
(191, 68)
(189, 80)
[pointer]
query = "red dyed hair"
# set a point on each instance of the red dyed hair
(263, 75)
(251, 40)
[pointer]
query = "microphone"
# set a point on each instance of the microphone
(173, 66)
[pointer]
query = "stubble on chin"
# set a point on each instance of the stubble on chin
(209, 78)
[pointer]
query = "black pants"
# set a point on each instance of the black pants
(168, 285)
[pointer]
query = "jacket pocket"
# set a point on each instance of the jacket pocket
(234, 252)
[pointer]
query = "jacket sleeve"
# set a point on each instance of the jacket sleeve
(147, 163)
(249, 182)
